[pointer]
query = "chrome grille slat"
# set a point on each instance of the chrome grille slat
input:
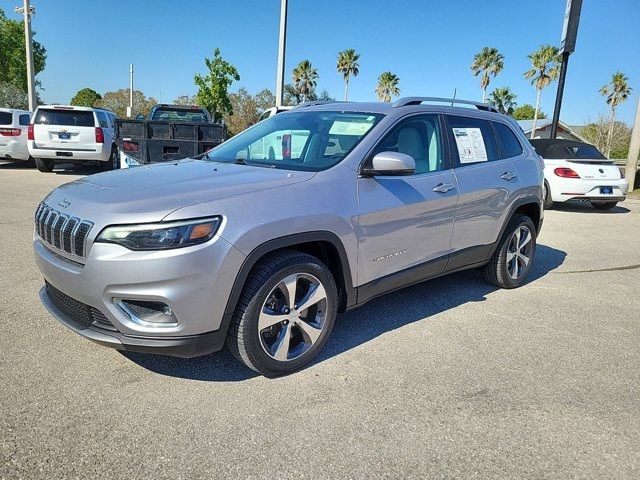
(61, 231)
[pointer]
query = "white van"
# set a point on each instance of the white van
(68, 134)
(13, 134)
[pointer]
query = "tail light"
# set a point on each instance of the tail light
(621, 172)
(99, 135)
(30, 132)
(130, 147)
(286, 145)
(566, 173)
(10, 132)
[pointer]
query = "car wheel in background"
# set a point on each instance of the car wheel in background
(114, 161)
(603, 205)
(514, 255)
(45, 165)
(285, 314)
(546, 193)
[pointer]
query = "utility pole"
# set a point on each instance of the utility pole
(130, 107)
(567, 47)
(281, 52)
(634, 150)
(27, 12)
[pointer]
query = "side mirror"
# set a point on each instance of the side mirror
(390, 163)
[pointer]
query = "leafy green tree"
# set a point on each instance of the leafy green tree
(244, 111)
(12, 96)
(598, 133)
(86, 97)
(325, 96)
(305, 79)
(616, 92)
(213, 88)
(544, 69)
(185, 100)
(291, 95)
(348, 66)
(488, 62)
(118, 101)
(503, 99)
(527, 112)
(265, 99)
(387, 86)
(13, 63)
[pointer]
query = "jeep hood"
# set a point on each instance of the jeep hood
(150, 193)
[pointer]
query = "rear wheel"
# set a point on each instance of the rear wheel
(604, 205)
(45, 164)
(285, 314)
(514, 255)
(548, 201)
(113, 163)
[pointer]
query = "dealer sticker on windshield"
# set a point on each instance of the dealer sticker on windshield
(355, 126)
(470, 145)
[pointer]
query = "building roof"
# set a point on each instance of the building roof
(542, 123)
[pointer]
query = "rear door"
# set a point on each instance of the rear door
(64, 128)
(487, 183)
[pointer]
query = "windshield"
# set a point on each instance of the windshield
(310, 141)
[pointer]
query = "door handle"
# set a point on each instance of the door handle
(443, 187)
(508, 176)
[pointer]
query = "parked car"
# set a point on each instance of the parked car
(578, 171)
(13, 134)
(71, 134)
(182, 258)
(169, 133)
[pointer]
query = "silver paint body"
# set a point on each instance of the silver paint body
(386, 224)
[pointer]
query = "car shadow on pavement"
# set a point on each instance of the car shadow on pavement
(354, 328)
(585, 207)
(17, 165)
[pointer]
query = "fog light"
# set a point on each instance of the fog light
(147, 313)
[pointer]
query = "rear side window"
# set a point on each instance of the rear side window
(24, 119)
(70, 118)
(509, 144)
(6, 118)
(472, 140)
(102, 119)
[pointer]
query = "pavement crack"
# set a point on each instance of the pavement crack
(612, 269)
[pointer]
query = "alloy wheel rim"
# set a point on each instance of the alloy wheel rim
(519, 252)
(292, 317)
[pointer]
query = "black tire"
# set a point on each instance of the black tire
(548, 202)
(45, 165)
(604, 205)
(112, 163)
(244, 338)
(496, 271)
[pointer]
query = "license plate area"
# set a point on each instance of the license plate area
(64, 154)
(606, 190)
(64, 136)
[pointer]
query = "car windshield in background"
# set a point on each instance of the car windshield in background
(69, 118)
(6, 118)
(181, 115)
(310, 141)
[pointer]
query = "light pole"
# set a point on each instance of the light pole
(281, 51)
(634, 151)
(130, 107)
(27, 12)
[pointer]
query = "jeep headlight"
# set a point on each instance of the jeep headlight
(163, 235)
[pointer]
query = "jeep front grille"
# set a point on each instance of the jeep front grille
(61, 231)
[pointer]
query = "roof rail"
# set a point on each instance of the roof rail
(405, 101)
(318, 102)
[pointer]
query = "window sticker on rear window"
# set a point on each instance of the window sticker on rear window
(470, 145)
(358, 126)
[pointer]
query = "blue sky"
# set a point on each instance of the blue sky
(428, 44)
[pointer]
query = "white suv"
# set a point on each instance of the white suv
(67, 134)
(13, 134)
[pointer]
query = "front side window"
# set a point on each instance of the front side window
(472, 140)
(418, 136)
(509, 144)
(310, 141)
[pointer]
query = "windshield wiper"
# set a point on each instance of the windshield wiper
(242, 161)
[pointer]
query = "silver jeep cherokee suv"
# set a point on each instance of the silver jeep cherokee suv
(261, 242)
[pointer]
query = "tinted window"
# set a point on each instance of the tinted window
(509, 144)
(73, 118)
(6, 118)
(472, 140)
(168, 114)
(24, 119)
(419, 137)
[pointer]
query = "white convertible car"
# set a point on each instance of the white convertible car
(578, 171)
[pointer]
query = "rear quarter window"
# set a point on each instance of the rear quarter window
(24, 119)
(6, 118)
(509, 145)
(69, 118)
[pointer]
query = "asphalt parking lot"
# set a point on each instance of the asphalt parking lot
(447, 379)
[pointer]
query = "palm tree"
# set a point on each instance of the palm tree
(616, 92)
(387, 86)
(544, 69)
(348, 65)
(305, 78)
(488, 62)
(503, 99)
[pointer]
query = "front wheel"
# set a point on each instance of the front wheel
(45, 165)
(285, 314)
(604, 205)
(513, 257)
